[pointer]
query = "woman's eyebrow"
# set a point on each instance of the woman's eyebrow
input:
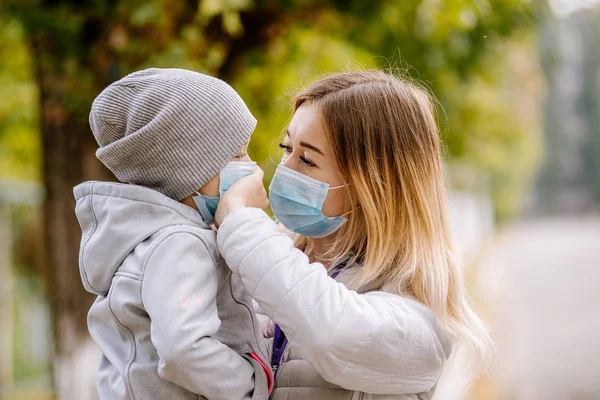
(311, 147)
(304, 144)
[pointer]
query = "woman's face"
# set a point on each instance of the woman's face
(307, 151)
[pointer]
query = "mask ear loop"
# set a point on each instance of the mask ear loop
(338, 187)
(351, 211)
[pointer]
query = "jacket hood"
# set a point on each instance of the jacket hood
(114, 219)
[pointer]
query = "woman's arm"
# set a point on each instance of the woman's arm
(376, 342)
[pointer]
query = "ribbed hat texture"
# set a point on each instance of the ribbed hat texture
(171, 130)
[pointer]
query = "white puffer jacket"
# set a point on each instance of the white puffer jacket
(342, 344)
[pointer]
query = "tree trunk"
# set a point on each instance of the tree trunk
(6, 299)
(68, 160)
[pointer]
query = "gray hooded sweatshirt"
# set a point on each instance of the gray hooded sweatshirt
(171, 319)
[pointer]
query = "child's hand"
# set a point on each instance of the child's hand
(247, 192)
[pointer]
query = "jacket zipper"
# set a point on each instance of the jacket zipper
(266, 369)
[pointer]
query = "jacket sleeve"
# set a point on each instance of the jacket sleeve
(377, 342)
(178, 291)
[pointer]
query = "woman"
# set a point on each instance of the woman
(361, 185)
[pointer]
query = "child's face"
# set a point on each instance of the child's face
(211, 188)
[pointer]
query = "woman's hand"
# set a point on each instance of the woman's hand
(247, 192)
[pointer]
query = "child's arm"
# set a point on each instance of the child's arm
(178, 291)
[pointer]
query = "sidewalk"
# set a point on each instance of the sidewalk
(539, 285)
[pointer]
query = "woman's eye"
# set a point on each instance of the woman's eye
(286, 147)
(307, 161)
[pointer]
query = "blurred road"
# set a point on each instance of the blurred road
(539, 284)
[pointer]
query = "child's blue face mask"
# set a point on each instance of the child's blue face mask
(296, 201)
(233, 172)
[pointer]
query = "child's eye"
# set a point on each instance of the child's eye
(286, 147)
(307, 161)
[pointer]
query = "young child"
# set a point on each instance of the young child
(171, 320)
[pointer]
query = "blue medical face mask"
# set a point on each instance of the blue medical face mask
(297, 200)
(233, 172)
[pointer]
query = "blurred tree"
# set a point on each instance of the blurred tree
(264, 47)
(590, 149)
(461, 50)
(20, 152)
(570, 178)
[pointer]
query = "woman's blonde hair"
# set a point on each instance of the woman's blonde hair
(385, 139)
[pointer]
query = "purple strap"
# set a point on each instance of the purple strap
(280, 341)
(279, 344)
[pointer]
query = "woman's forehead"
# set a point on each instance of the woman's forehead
(305, 125)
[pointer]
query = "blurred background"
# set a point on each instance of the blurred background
(518, 83)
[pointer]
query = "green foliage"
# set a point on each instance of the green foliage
(267, 49)
(497, 116)
(20, 150)
(461, 50)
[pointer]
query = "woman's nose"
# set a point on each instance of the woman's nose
(289, 162)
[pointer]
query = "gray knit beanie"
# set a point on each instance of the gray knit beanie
(170, 130)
